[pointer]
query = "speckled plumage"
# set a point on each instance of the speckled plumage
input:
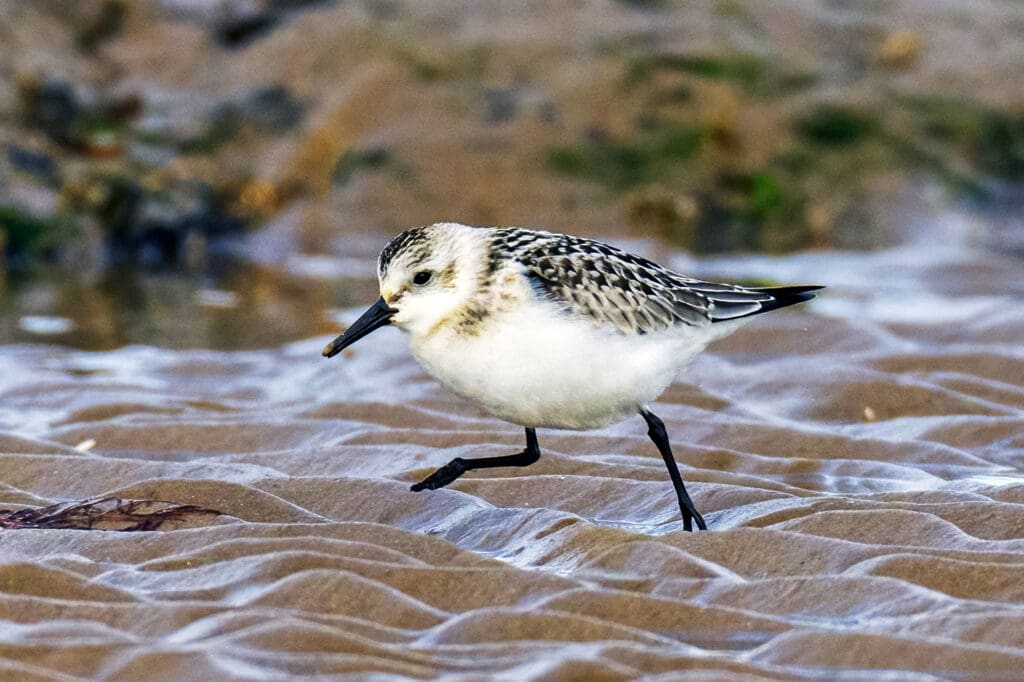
(595, 281)
(549, 330)
(631, 293)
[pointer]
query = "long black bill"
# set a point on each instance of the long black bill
(376, 317)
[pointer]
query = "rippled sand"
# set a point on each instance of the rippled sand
(858, 461)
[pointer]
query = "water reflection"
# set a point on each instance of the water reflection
(238, 305)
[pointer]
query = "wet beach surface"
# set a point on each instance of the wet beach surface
(190, 204)
(858, 461)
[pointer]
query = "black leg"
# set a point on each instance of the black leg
(458, 466)
(656, 430)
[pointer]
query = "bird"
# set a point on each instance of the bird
(549, 330)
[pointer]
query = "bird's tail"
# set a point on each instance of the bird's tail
(786, 296)
(734, 303)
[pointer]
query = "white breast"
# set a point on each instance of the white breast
(537, 367)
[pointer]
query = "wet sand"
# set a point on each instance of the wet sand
(858, 461)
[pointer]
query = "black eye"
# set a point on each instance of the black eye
(422, 277)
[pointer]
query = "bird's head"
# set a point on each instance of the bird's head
(426, 276)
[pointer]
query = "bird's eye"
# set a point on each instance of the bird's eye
(422, 277)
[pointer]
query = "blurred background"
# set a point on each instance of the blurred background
(221, 173)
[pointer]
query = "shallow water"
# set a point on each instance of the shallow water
(858, 460)
(236, 305)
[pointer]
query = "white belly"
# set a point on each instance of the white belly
(540, 370)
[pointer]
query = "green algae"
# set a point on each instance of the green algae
(622, 165)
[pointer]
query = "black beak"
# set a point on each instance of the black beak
(376, 317)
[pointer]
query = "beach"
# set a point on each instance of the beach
(857, 460)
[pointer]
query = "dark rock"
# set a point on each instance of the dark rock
(24, 236)
(355, 160)
(502, 105)
(272, 108)
(151, 228)
(51, 106)
(240, 22)
(33, 163)
(105, 24)
(836, 126)
(238, 29)
(547, 111)
(91, 122)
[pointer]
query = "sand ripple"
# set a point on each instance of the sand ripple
(860, 470)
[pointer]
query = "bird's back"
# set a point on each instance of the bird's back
(636, 296)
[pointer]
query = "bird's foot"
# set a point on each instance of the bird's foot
(442, 477)
(690, 515)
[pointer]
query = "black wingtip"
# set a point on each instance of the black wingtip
(787, 296)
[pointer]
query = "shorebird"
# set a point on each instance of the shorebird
(548, 330)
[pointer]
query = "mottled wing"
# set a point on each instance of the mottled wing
(630, 293)
(605, 284)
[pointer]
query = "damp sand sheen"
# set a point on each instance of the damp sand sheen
(865, 499)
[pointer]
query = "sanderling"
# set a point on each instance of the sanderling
(549, 330)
